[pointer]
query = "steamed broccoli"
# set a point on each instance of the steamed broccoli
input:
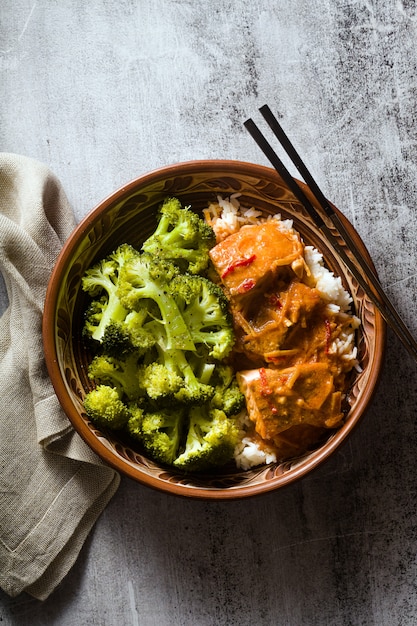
(204, 308)
(122, 337)
(145, 278)
(121, 373)
(227, 395)
(105, 408)
(186, 366)
(134, 424)
(182, 237)
(159, 382)
(162, 330)
(101, 283)
(161, 432)
(93, 317)
(210, 442)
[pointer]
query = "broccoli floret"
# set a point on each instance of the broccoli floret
(227, 395)
(187, 366)
(144, 278)
(122, 337)
(119, 373)
(160, 433)
(182, 237)
(177, 376)
(116, 341)
(105, 408)
(192, 390)
(134, 424)
(159, 382)
(101, 283)
(210, 442)
(205, 310)
(92, 318)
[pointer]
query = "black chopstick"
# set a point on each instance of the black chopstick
(358, 266)
(315, 189)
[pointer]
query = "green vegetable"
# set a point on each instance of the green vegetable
(210, 442)
(134, 424)
(161, 330)
(101, 282)
(161, 433)
(121, 373)
(204, 308)
(145, 278)
(182, 237)
(158, 382)
(227, 395)
(128, 335)
(105, 408)
(192, 390)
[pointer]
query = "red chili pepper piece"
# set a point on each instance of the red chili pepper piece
(275, 301)
(276, 359)
(247, 285)
(240, 263)
(265, 389)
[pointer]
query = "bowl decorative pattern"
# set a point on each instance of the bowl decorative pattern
(129, 215)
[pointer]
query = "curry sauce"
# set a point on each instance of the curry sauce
(286, 354)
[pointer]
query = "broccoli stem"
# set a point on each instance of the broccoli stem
(114, 312)
(177, 333)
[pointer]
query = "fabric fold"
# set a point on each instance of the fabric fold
(52, 486)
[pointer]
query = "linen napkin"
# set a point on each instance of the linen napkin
(52, 486)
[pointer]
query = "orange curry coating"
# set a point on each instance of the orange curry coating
(292, 380)
(248, 258)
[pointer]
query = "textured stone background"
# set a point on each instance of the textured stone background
(103, 91)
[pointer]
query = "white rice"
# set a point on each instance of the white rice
(248, 453)
(227, 217)
(329, 286)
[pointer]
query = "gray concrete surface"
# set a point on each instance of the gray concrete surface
(103, 91)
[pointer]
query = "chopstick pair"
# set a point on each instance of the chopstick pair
(358, 266)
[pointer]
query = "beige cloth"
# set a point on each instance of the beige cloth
(52, 486)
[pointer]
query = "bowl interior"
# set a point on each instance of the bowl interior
(129, 215)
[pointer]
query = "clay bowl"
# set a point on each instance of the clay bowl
(128, 215)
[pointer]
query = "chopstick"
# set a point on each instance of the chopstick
(358, 266)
